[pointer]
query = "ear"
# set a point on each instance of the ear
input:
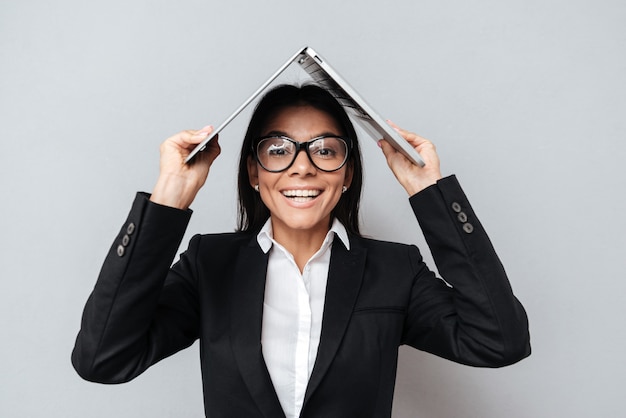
(253, 171)
(347, 181)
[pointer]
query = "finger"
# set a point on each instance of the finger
(210, 153)
(411, 137)
(403, 132)
(204, 131)
(393, 124)
(391, 154)
(387, 149)
(190, 138)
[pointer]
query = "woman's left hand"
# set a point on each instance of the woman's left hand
(411, 176)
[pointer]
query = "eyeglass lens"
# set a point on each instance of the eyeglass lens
(327, 153)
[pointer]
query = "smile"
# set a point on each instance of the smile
(301, 196)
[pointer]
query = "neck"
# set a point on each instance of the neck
(302, 244)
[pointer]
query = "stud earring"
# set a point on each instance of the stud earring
(344, 189)
(256, 187)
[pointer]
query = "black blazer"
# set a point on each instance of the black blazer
(379, 295)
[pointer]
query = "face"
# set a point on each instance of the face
(302, 197)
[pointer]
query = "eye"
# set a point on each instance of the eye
(327, 148)
(325, 152)
(275, 148)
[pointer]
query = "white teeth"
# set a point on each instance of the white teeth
(301, 193)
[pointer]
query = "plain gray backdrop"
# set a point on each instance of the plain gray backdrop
(525, 100)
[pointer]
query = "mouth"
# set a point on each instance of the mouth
(301, 196)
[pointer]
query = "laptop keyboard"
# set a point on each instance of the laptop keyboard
(320, 77)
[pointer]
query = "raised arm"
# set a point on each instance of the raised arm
(477, 320)
(139, 311)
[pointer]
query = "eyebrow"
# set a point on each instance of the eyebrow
(281, 133)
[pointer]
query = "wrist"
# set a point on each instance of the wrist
(416, 185)
(173, 191)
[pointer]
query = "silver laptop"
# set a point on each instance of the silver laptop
(324, 75)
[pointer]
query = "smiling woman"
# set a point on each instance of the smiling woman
(332, 120)
(301, 196)
(297, 314)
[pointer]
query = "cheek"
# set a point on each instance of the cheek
(337, 191)
(265, 178)
(266, 182)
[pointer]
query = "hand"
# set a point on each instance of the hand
(411, 176)
(178, 182)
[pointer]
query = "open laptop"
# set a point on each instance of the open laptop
(324, 75)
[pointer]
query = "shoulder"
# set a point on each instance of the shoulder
(373, 243)
(388, 264)
(226, 240)
(220, 249)
(387, 250)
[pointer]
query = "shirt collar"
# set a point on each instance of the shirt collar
(265, 235)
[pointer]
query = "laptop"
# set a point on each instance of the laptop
(324, 75)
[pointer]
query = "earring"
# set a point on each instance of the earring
(256, 187)
(344, 189)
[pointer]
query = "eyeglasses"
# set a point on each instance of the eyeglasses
(276, 153)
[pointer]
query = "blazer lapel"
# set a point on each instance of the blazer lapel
(344, 282)
(248, 291)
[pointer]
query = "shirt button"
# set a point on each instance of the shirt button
(462, 217)
(468, 227)
(130, 229)
(120, 250)
(456, 207)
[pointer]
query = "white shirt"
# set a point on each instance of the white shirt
(292, 315)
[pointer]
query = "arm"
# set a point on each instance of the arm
(138, 313)
(478, 320)
(129, 321)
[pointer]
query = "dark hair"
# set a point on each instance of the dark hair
(252, 211)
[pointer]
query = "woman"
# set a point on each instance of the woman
(297, 314)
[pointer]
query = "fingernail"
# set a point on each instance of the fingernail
(204, 131)
(393, 125)
(379, 142)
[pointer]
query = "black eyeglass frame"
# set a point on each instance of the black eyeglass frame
(302, 146)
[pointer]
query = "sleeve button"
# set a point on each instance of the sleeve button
(130, 229)
(468, 227)
(125, 241)
(462, 217)
(456, 207)
(120, 250)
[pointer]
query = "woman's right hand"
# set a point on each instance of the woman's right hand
(179, 182)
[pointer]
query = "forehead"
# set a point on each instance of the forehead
(302, 122)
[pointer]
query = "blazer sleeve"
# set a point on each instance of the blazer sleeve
(476, 320)
(138, 311)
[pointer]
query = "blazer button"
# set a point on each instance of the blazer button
(468, 227)
(130, 229)
(125, 240)
(120, 250)
(456, 207)
(462, 217)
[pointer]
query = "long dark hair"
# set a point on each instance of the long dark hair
(252, 211)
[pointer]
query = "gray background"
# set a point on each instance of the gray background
(524, 99)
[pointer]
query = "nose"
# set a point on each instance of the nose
(302, 165)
